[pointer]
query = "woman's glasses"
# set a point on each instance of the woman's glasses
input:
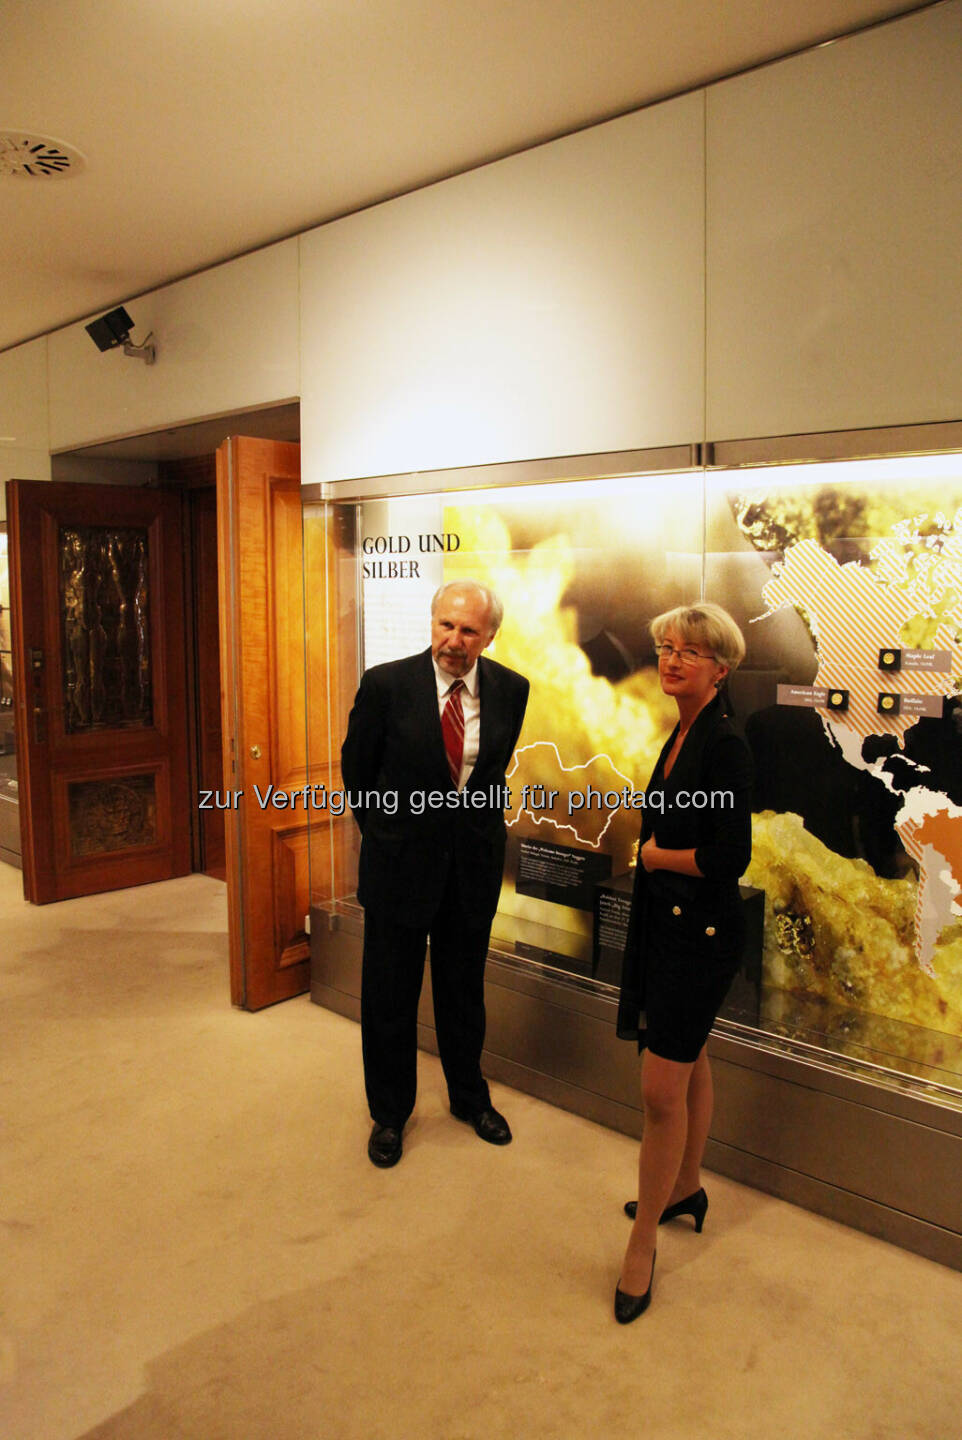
(686, 656)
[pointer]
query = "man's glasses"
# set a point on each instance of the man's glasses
(686, 656)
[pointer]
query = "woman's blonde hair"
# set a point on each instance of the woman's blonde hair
(703, 624)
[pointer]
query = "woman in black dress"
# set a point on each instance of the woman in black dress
(685, 931)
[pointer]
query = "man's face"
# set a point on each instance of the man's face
(460, 630)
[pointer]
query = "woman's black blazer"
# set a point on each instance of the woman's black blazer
(704, 805)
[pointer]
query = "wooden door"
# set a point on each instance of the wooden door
(97, 599)
(260, 553)
(207, 688)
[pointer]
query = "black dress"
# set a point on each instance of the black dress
(685, 932)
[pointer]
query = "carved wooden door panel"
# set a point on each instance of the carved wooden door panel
(97, 601)
(260, 551)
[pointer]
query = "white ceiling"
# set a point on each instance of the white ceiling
(211, 127)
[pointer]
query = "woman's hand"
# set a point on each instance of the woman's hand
(681, 861)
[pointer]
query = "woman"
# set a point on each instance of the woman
(685, 931)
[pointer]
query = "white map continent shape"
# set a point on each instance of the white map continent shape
(854, 614)
(540, 817)
(938, 898)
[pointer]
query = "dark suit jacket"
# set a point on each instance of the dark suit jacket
(715, 758)
(394, 747)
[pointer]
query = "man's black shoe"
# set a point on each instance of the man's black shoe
(488, 1124)
(384, 1146)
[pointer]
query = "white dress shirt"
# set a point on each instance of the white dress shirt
(471, 708)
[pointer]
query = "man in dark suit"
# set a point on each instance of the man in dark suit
(436, 730)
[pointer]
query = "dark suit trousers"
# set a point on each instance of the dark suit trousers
(393, 969)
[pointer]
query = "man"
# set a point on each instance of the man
(445, 721)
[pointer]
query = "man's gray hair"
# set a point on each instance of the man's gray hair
(495, 608)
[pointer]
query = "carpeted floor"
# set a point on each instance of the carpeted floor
(197, 1248)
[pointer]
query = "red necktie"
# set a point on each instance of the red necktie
(452, 728)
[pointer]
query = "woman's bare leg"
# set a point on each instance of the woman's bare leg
(700, 1103)
(664, 1091)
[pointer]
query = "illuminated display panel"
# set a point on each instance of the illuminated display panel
(847, 582)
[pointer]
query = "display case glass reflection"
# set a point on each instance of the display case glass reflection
(569, 563)
(846, 581)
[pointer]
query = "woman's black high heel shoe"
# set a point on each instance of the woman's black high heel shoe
(694, 1205)
(629, 1307)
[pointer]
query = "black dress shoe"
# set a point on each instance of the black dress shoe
(694, 1205)
(489, 1124)
(384, 1146)
(629, 1307)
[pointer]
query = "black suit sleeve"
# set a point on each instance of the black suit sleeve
(363, 746)
(520, 707)
(724, 849)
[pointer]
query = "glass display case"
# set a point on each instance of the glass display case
(846, 579)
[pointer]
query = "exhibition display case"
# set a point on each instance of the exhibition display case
(846, 579)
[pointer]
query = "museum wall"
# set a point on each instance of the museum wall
(226, 340)
(834, 215)
(24, 441)
(551, 303)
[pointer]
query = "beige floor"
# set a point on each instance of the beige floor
(196, 1246)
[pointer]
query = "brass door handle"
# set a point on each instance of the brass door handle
(255, 752)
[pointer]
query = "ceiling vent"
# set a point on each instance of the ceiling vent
(37, 157)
